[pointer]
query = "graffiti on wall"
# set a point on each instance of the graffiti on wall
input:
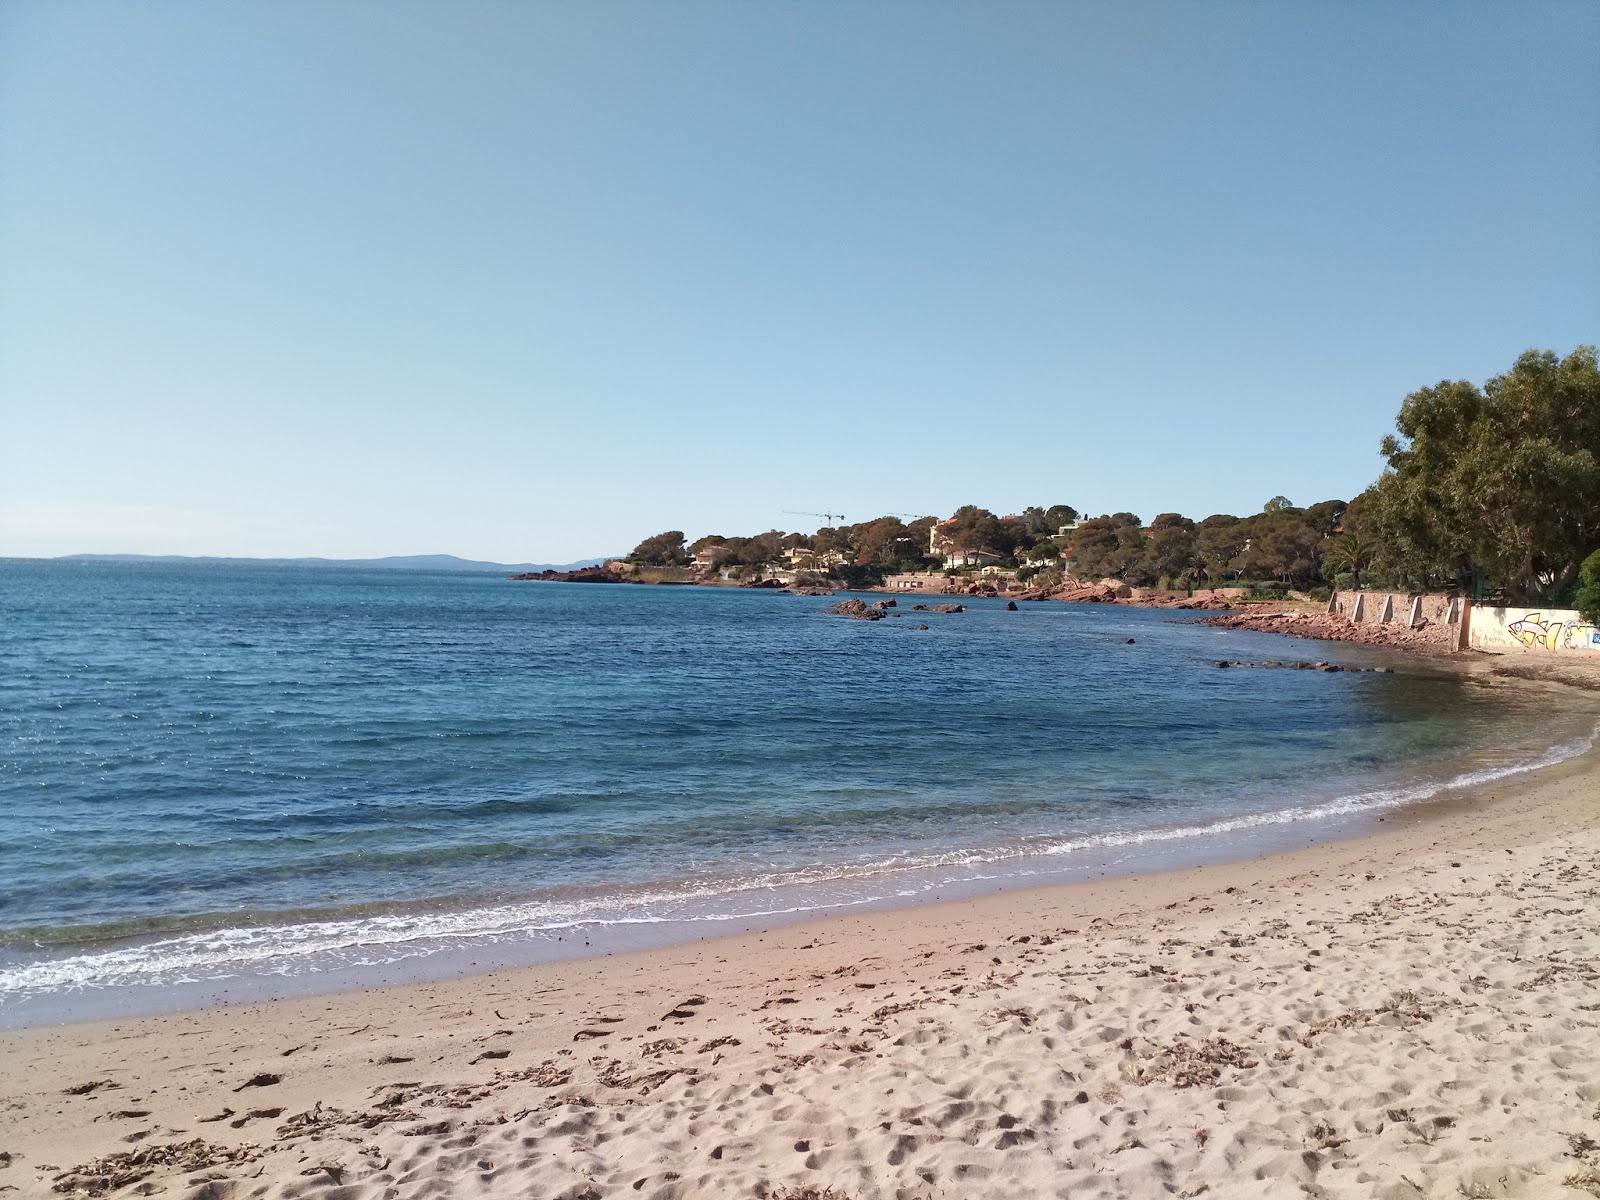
(1554, 634)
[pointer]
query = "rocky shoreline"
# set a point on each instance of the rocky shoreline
(1234, 610)
(1428, 637)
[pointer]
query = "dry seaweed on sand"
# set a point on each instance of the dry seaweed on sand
(1188, 1064)
(116, 1171)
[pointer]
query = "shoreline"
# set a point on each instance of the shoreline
(458, 950)
(437, 941)
(713, 1061)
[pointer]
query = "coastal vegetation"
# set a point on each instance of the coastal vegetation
(1491, 491)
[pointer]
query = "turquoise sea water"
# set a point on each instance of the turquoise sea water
(220, 772)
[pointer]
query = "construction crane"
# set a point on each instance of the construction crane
(826, 516)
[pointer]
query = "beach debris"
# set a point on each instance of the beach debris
(117, 1171)
(490, 1054)
(662, 1046)
(585, 1034)
(1188, 1064)
(265, 1079)
(83, 1089)
(269, 1113)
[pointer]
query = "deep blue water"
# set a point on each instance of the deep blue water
(213, 770)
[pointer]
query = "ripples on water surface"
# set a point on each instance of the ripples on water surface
(209, 770)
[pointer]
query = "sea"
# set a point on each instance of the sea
(219, 782)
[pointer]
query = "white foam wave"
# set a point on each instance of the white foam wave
(303, 947)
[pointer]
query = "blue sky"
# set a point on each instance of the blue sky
(530, 281)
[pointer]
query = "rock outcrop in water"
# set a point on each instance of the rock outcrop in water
(857, 610)
(582, 575)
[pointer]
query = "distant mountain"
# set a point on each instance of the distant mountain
(396, 562)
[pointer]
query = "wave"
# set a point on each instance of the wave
(304, 947)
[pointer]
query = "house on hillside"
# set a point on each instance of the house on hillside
(969, 558)
(940, 545)
(706, 557)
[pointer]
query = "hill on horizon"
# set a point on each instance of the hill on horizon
(398, 562)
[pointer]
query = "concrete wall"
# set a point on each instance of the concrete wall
(1394, 608)
(1533, 628)
(927, 582)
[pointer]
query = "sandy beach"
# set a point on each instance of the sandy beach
(1411, 1014)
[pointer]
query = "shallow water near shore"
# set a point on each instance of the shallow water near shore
(218, 779)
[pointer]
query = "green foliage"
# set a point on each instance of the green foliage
(1219, 542)
(1497, 486)
(1352, 551)
(1325, 518)
(1588, 602)
(662, 550)
(973, 528)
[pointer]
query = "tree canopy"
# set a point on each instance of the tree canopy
(662, 550)
(1494, 488)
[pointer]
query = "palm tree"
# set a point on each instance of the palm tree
(1351, 551)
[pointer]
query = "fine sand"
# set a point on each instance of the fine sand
(1411, 1014)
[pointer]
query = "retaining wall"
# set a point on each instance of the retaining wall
(1534, 628)
(1406, 609)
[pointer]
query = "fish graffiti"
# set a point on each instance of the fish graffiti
(1554, 634)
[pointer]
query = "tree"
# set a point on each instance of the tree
(1588, 601)
(882, 542)
(1171, 550)
(1351, 551)
(1058, 515)
(662, 550)
(1498, 485)
(1324, 518)
(1219, 541)
(1282, 547)
(1109, 547)
(973, 528)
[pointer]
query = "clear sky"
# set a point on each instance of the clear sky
(530, 281)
